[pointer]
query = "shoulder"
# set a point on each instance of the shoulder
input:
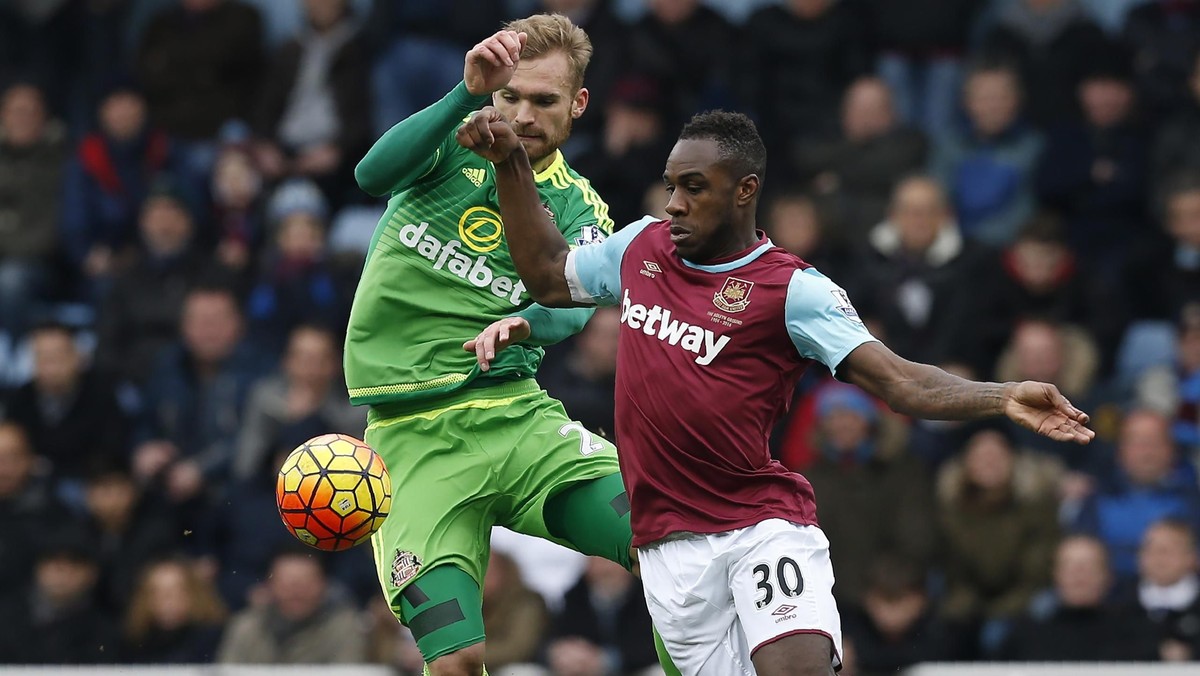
(583, 203)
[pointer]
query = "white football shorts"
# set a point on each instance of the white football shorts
(717, 598)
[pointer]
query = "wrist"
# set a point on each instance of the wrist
(514, 158)
(1008, 397)
(464, 96)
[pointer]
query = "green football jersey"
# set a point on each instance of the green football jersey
(438, 272)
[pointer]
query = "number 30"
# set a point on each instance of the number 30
(787, 577)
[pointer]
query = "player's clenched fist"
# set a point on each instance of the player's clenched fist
(488, 134)
(491, 63)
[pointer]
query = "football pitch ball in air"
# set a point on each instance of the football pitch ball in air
(333, 492)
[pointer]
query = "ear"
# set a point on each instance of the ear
(580, 103)
(747, 189)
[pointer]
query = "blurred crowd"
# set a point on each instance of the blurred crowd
(1009, 189)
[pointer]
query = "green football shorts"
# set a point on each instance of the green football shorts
(476, 459)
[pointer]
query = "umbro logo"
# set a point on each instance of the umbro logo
(783, 610)
(475, 176)
(650, 268)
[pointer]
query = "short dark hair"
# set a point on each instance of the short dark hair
(738, 142)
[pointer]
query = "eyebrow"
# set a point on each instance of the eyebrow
(532, 95)
(694, 173)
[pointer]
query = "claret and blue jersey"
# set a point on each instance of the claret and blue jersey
(709, 355)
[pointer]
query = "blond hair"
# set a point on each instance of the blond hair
(207, 607)
(549, 33)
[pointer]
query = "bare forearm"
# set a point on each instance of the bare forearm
(537, 248)
(930, 393)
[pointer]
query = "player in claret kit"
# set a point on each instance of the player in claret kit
(717, 324)
(468, 448)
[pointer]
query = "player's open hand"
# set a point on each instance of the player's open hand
(491, 63)
(499, 335)
(488, 134)
(1043, 409)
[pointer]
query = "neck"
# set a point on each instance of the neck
(540, 165)
(742, 237)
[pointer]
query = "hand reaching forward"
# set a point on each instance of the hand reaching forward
(1043, 409)
(487, 134)
(491, 63)
(499, 335)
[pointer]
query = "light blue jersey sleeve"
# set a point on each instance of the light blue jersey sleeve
(824, 326)
(593, 272)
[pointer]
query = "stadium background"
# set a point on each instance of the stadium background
(1007, 188)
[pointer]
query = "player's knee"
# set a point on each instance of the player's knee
(464, 662)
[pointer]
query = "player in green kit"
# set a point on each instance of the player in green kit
(470, 440)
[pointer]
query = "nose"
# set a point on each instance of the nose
(524, 114)
(677, 205)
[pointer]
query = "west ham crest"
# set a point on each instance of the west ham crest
(734, 296)
(405, 567)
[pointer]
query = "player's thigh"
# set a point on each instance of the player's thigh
(687, 593)
(796, 655)
(782, 583)
(541, 453)
(443, 608)
(443, 501)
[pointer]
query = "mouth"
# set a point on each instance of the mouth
(528, 137)
(679, 234)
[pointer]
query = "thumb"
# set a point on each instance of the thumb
(522, 38)
(469, 346)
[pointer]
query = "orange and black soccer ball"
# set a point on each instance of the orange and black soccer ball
(333, 492)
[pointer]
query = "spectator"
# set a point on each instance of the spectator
(300, 623)
(688, 46)
(1177, 145)
(1052, 353)
(794, 222)
(1149, 482)
(1076, 624)
(1165, 38)
(71, 412)
(174, 617)
(1164, 276)
(914, 275)
(419, 51)
(514, 615)
(871, 503)
(110, 177)
(1174, 390)
(308, 388)
(195, 398)
(1042, 278)
(31, 156)
(997, 512)
(896, 627)
(921, 47)
(1168, 589)
(201, 63)
(312, 118)
(297, 283)
(988, 167)
(130, 527)
(1094, 173)
(802, 54)
(28, 508)
(56, 621)
(44, 36)
(632, 146)
(584, 378)
(604, 627)
(854, 175)
(140, 314)
(1052, 42)
(238, 207)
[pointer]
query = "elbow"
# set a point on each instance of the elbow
(545, 292)
(369, 180)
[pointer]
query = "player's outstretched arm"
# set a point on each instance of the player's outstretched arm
(925, 391)
(538, 249)
(408, 150)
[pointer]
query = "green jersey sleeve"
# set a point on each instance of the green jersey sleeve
(414, 147)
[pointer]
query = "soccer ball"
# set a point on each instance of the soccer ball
(333, 492)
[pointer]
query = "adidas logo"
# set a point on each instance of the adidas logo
(475, 176)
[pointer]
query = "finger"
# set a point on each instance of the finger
(512, 44)
(489, 346)
(469, 346)
(503, 337)
(479, 351)
(522, 38)
(484, 128)
(481, 52)
(499, 51)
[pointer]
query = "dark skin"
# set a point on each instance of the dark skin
(712, 216)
